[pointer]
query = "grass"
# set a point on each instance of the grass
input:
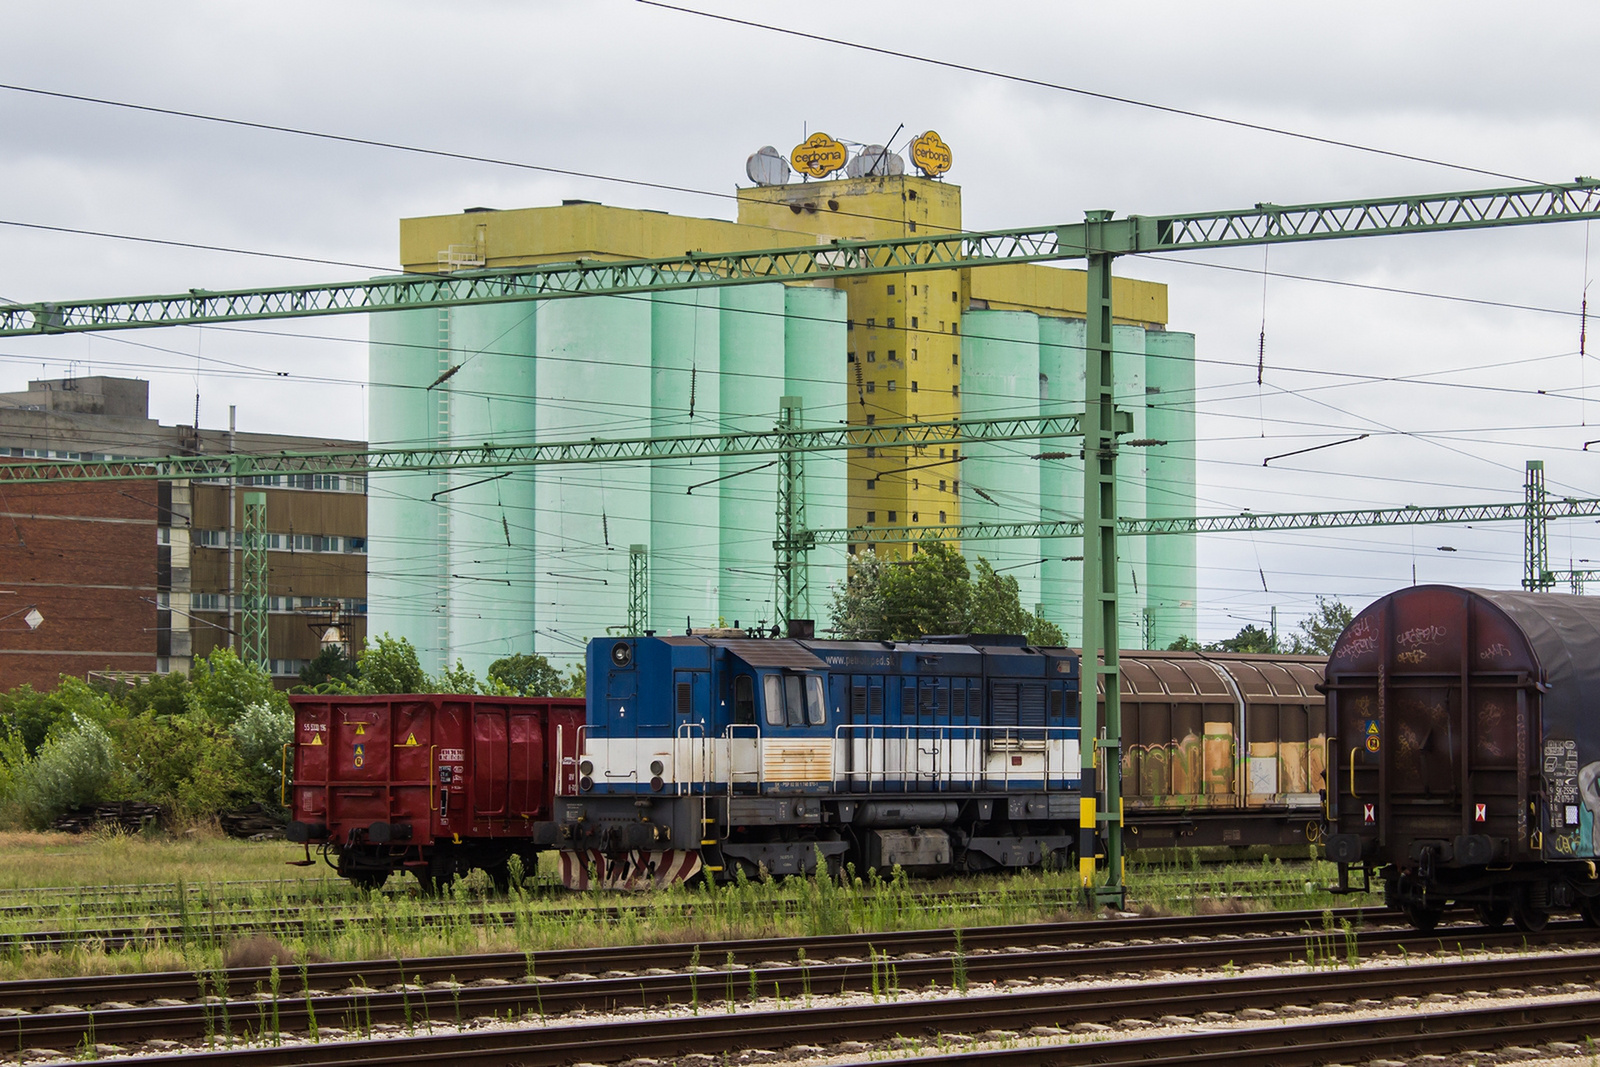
(195, 882)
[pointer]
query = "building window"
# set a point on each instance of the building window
(916, 483)
(953, 298)
(955, 453)
(913, 322)
(913, 355)
(955, 390)
(872, 483)
(891, 322)
(941, 453)
(941, 489)
(872, 516)
(913, 290)
(954, 328)
(941, 514)
(872, 356)
(892, 355)
(850, 550)
(891, 289)
(941, 326)
(893, 516)
(955, 359)
(849, 357)
(871, 322)
(872, 387)
(891, 385)
(914, 517)
(871, 453)
(849, 324)
(871, 419)
(913, 386)
(955, 486)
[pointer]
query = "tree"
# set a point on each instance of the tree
(526, 675)
(222, 686)
(331, 665)
(858, 612)
(1185, 643)
(1250, 639)
(932, 593)
(1320, 630)
(391, 666)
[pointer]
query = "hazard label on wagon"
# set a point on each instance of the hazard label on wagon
(360, 757)
(1369, 813)
(1372, 735)
(1480, 813)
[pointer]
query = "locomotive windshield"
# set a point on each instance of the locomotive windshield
(794, 700)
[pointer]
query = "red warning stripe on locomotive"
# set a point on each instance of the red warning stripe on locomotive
(635, 870)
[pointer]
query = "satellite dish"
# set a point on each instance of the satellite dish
(875, 161)
(767, 167)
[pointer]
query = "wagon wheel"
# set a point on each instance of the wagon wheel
(1493, 914)
(1423, 917)
(368, 880)
(500, 875)
(1528, 919)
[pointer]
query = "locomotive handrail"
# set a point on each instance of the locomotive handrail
(283, 775)
(971, 737)
(686, 733)
(1353, 752)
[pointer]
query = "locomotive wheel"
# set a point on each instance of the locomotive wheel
(1528, 919)
(1423, 917)
(1492, 915)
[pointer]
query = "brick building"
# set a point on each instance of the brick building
(141, 576)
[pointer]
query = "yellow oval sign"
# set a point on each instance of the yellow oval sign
(931, 155)
(819, 156)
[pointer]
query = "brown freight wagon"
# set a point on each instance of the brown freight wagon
(1222, 749)
(434, 784)
(1466, 764)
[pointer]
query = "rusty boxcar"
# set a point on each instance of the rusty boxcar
(430, 783)
(1222, 748)
(1468, 752)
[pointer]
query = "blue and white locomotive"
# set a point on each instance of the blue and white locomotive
(718, 752)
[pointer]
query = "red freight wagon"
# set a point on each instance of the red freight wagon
(435, 784)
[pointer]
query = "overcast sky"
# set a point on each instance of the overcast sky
(622, 89)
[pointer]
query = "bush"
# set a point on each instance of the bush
(72, 768)
(184, 763)
(258, 737)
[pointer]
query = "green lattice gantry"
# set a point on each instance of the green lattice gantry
(1136, 234)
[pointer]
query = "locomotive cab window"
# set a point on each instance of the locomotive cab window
(794, 700)
(744, 701)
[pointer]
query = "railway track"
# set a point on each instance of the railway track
(217, 923)
(434, 992)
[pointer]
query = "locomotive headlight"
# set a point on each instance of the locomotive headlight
(656, 784)
(657, 767)
(621, 654)
(585, 784)
(586, 768)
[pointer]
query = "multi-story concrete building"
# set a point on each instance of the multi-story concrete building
(139, 577)
(472, 568)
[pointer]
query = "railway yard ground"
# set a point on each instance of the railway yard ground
(1237, 963)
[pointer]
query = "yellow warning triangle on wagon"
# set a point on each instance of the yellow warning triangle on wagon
(316, 739)
(361, 728)
(411, 741)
